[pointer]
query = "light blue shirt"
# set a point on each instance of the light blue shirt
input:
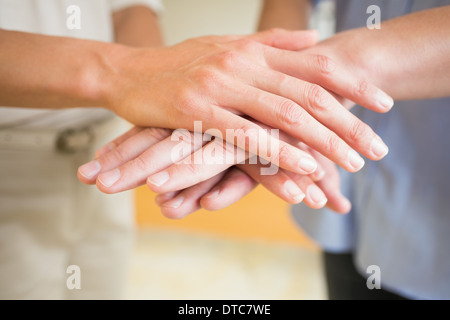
(400, 218)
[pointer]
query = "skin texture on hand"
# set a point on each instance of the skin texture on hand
(121, 166)
(350, 49)
(407, 57)
(130, 159)
(224, 80)
(218, 80)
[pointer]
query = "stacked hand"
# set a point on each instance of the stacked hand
(264, 81)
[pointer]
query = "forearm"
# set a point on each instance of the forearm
(408, 58)
(38, 71)
(287, 14)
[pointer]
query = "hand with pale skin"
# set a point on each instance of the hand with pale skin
(128, 161)
(216, 185)
(219, 80)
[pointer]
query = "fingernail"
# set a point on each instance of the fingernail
(385, 101)
(293, 191)
(90, 169)
(159, 178)
(109, 178)
(378, 148)
(308, 165)
(316, 195)
(355, 160)
(212, 195)
(174, 203)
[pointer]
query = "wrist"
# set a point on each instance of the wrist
(121, 69)
(98, 79)
(366, 54)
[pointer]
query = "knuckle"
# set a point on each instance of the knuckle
(227, 60)
(205, 74)
(191, 168)
(157, 133)
(186, 137)
(120, 154)
(331, 145)
(185, 101)
(245, 136)
(358, 130)
(323, 64)
(246, 45)
(288, 112)
(317, 98)
(361, 88)
(207, 79)
(187, 140)
(140, 164)
(284, 154)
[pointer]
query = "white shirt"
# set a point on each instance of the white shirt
(50, 17)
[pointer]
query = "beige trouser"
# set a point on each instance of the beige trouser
(49, 221)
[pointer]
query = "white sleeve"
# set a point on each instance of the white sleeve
(155, 5)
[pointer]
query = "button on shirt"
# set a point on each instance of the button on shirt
(400, 220)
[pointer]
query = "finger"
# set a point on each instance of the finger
(188, 201)
(155, 158)
(314, 196)
(128, 147)
(161, 198)
(203, 164)
(250, 137)
(325, 72)
(279, 112)
(326, 109)
(116, 142)
(278, 183)
(285, 39)
(234, 186)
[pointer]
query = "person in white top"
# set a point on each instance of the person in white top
(61, 78)
(51, 229)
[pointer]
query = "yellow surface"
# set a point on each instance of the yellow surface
(259, 215)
